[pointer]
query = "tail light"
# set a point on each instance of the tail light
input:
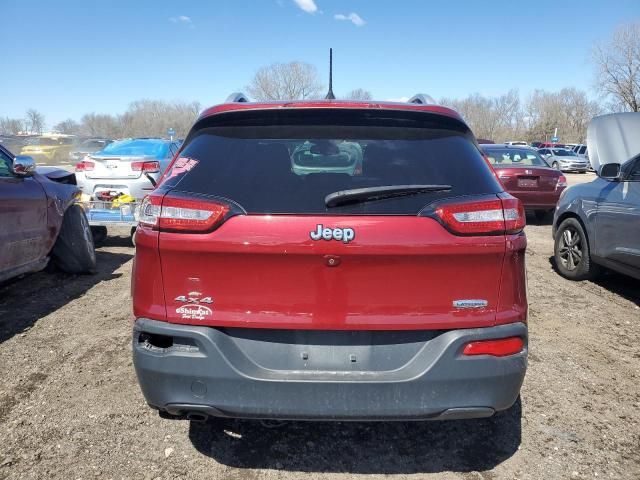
(496, 348)
(562, 182)
(181, 214)
(145, 167)
(85, 166)
(483, 217)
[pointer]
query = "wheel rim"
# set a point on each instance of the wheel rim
(570, 249)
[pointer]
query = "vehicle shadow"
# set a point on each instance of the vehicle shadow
(362, 448)
(533, 220)
(623, 285)
(24, 300)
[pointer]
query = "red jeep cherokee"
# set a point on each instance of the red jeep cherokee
(330, 260)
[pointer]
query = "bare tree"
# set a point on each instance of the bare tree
(359, 94)
(34, 121)
(11, 126)
(101, 125)
(286, 81)
(68, 126)
(617, 65)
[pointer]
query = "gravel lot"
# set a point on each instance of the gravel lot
(70, 406)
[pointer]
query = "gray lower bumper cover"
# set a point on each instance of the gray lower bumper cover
(214, 372)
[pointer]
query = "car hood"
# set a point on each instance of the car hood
(613, 138)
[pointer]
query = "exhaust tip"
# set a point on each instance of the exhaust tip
(197, 416)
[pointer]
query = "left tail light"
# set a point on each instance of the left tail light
(182, 214)
(85, 166)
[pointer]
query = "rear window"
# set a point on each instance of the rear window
(142, 148)
(509, 157)
(289, 165)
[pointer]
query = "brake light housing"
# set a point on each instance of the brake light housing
(562, 182)
(181, 214)
(146, 167)
(85, 166)
(502, 214)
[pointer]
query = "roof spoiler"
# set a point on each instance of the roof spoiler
(237, 97)
(422, 99)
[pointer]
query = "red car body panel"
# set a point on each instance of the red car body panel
(536, 187)
(399, 273)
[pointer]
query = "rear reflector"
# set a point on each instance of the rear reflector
(178, 214)
(496, 348)
(483, 217)
(85, 166)
(145, 167)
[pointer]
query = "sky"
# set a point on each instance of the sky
(70, 57)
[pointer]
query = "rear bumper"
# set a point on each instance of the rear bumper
(537, 200)
(248, 373)
(136, 187)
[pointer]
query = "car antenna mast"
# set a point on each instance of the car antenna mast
(330, 95)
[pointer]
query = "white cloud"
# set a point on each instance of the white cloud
(308, 6)
(399, 99)
(353, 17)
(180, 19)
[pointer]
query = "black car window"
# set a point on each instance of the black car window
(290, 165)
(5, 165)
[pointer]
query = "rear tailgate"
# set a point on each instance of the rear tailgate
(266, 271)
(281, 257)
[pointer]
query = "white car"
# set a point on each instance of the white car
(129, 167)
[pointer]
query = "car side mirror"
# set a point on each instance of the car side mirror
(24, 166)
(610, 171)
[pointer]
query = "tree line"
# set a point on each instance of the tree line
(500, 118)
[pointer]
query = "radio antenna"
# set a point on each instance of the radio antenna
(330, 95)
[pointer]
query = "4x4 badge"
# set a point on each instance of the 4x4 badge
(194, 297)
(324, 233)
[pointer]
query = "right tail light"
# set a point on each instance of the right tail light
(501, 215)
(562, 182)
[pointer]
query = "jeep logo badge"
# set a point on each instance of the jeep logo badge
(325, 233)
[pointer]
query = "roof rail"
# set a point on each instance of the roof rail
(422, 98)
(237, 97)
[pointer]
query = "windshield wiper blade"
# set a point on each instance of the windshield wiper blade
(361, 195)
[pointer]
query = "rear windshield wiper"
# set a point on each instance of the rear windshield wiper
(360, 195)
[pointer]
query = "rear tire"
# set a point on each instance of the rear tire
(74, 251)
(571, 252)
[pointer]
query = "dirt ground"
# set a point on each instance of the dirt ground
(70, 406)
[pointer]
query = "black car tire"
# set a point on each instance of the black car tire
(74, 251)
(571, 252)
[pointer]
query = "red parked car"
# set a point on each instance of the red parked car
(265, 288)
(526, 175)
(39, 220)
